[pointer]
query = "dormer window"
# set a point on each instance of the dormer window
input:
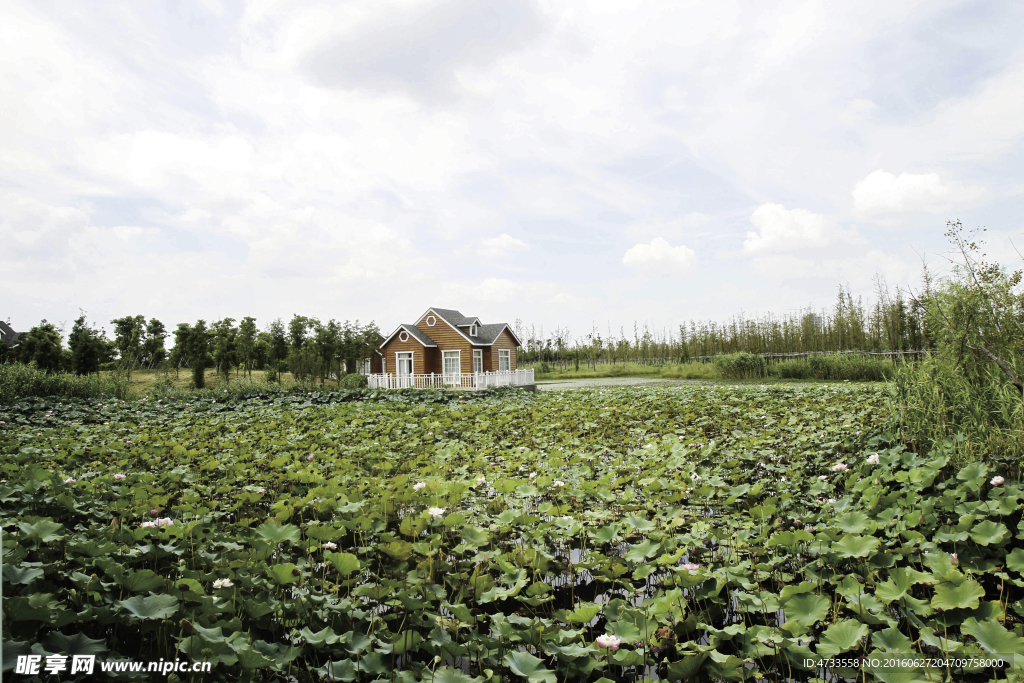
(472, 330)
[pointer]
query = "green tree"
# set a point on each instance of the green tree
(224, 355)
(88, 346)
(153, 349)
(42, 346)
(198, 352)
(245, 343)
(129, 337)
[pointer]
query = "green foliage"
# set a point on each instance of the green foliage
(42, 346)
(353, 380)
(710, 529)
(19, 382)
(88, 347)
(741, 365)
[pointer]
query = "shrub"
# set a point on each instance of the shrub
(199, 375)
(353, 380)
(741, 365)
(19, 381)
(792, 369)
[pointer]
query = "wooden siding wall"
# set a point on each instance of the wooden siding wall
(419, 355)
(447, 339)
(504, 341)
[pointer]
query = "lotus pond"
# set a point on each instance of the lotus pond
(692, 533)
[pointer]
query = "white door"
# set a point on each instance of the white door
(451, 365)
(478, 360)
(403, 361)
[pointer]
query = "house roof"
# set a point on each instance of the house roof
(486, 335)
(414, 332)
(7, 333)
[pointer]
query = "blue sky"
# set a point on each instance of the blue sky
(567, 163)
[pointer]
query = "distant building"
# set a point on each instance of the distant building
(8, 335)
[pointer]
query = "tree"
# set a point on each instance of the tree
(42, 346)
(198, 351)
(129, 335)
(153, 346)
(88, 346)
(180, 352)
(246, 344)
(224, 357)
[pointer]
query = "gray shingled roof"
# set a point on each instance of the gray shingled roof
(7, 334)
(419, 334)
(486, 334)
(453, 316)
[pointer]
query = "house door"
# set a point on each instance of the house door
(478, 360)
(452, 361)
(403, 361)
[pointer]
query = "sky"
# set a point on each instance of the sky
(570, 164)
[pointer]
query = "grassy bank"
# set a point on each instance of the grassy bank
(739, 366)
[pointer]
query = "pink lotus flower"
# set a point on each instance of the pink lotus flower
(823, 477)
(839, 467)
(954, 559)
(154, 512)
(608, 642)
(689, 566)
(997, 481)
(119, 476)
(310, 457)
(69, 480)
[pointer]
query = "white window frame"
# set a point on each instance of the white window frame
(472, 330)
(451, 377)
(478, 360)
(365, 366)
(403, 336)
(431, 321)
(504, 360)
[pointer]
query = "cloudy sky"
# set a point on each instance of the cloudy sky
(566, 163)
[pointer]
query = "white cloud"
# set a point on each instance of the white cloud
(660, 258)
(783, 229)
(883, 192)
(501, 245)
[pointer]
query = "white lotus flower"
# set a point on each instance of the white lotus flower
(419, 487)
(223, 583)
(481, 480)
(608, 642)
(330, 546)
(558, 483)
(997, 481)
(435, 512)
(873, 459)
(839, 467)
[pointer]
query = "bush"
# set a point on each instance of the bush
(19, 381)
(353, 380)
(792, 369)
(741, 365)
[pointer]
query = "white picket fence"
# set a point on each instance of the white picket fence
(460, 380)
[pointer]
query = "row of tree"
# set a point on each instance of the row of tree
(308, 348)
(893, 321)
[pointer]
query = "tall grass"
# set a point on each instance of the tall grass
(936, 402)
(19, 381)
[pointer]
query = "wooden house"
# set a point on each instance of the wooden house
(445, 348)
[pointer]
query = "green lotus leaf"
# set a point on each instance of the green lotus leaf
(251, 659)
(957, 596)
(585, 613)
(277, 533)
(343, 670)
(992, 636)
(284, 573)
(21, 575)
(150, 606)
(345, 563)
(899, 582)
(855, 546)
(853, 522)
(448, 674)
(686, 668)
(142, 581)
(325, 636)
(639, 523)
(892, 640)
(1015, 560)
(77, 644)
(990, 533)
(806, 608)
(529, 667)
(841, 637)
(975, 473)
(45, 530)
(475, 535)
(643, 551)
